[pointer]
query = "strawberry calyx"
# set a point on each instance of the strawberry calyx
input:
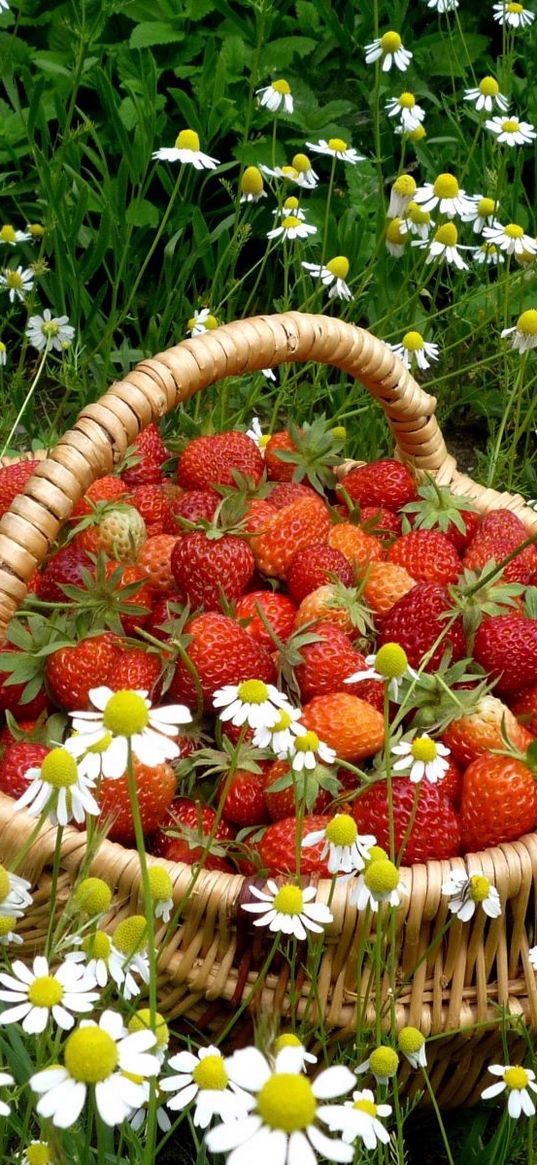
(436, 508)
(28, 645)
(433, 699)
(104, 598)
(483, 593)
(317, 449)
(307, 784)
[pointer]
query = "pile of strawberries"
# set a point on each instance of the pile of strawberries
(228, 562)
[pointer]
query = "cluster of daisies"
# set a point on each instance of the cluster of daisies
(44, 333)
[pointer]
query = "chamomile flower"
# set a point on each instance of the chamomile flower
(444, 247)
(203, 1078)
(512, 14)
(161, 887)
(252, 185)
(306, 175)
(48, 331)
(38, 1153)
(524, 332)
(512, 238)
(5, 1078)
(14, 896)
(290, 206)
(402, 192)
(252, 702)
(443, 6)
(59, 788)
(411, 1043)
(268, 373)
(35, 230)
(390, 49)
(17, 281)
(489, 254)
(289, 1040)
(138, 1117)
(187, 151)
(406, 108)
(510, 131)
(486, 96)
(423, 757)
(445, 194)
(481, 213)
(414, 349)
(382, 1063)
(142, 1020)
(103, 1058)
(288, 909)
(517, 1081)
(276, 95)
(306, 751)
(37, 995)
(332, 274)
(280, 737)
(292, 227)
(3, 353)
(336, 148)
(358, 1119)
(132, 722)
(8, 235)
(255, 432)
(395, 237)
(380, 883)
(344, 850)
(468, 891)
(417, 221)
(389, 664)
(282, 1126)
(7, 933)
(202, 321)
(103, 961)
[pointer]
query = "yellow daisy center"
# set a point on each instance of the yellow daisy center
(97, 945)
(8, 234)
(35, 230)
(447, 234)
(2, 347)
(489, 87)
(384, 1061)
(289, 900)
(252, 181)
(302, 163)
(211, 1073)
(285, 720)
(489, 249)
(376, 854)
(7, 925)
(281, 86)
(130, 934)
(486, 207)
(510, 125)
(13, 280)
(141, 1021)
(513, 231)
(287, 1102)
(45, 991)
(417, 134)
(38, 1154)
(307, 742)
(59, 769)
(514, 7)
(339, 266)
(337, 145)
(160, 883)
(516, 1077)
(407, 101)
(50, 328)
(289, 172)
(410, 1040)
(366, 1105)
(413, 341)
(286, 1040)
(102, 744)
(5, 885)
(423, 748)
(125, 714)
(446, 186)
(391, 659)
(339, 432)
(291, 203)
(90, 1055)
(290, 222)
(381, 876)
(405, 184)
(341, 830)
(188, 139)
(526, 323)
(394, 234)
(253, 692)
(416, 214)
(93, 896)
(390, 42)
(479, 888)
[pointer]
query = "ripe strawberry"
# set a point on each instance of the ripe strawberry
(153, 502)
(221, 652)
(105, 489)
(13, 479)
(141, 598)
(289, 530)
(328, 662)
(498, 534)
(524, 707)
(278, 847)
(436, 832)
(337, 604)
(385, 584)
(427, 555)
(278, 470)
(346, 723)
(381, 522)
(436, 508)
(161, 614)
(209, 569)
(286, 492)
(155, 560)
(380, 483)
(72, 671)
(7, 737)
(483, 731)
(416, 621)
(193, 504)
(499, 802)
(212, 460)
(244, 803)
(137, 670)
(192, 822)
(450, 784)
(357, 547)
(11, 695)
(152, 453)
(155, 785)
(67, 566)
(506, 647)
(282, 802)
(120, 533)
(17, 758)
(258, 517)
(277, 609)
(312, 567)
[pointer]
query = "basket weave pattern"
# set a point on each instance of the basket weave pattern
(209, 964)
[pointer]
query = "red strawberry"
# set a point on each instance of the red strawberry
(278, 470)
(17, 758)
(380, 483)
(451, 782)
(345, 723)
(152, 453)
(141, 598)
(506, 648)
(277, 609)
(137, 670)
(155, 559)
(428, 556)
(459, 538)
(193, 504)
(524, 707)
(13, 479)
(72, 671)
(155, 785)
(153, 502)
(289, 491)
(498, 534)
(416, 621)
(105, 489)
(435, 833)
(329, 662)
(311, 568)
(7, 737)
(67, 566)
(380, 521)
(244, 803)
(192, 822)
(483, 730)
(221, 652)
(278, 847)
(499, 801)
(161, 614)
(208, 570)
(282, 802)
(291, 529)
(11, 695)
(212, 460)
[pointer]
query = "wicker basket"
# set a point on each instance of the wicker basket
(209, 965)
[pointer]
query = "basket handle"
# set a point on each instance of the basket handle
(104, 430)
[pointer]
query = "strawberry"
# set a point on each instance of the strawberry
(191, 822)
(278, 847)
(427, 555)
(328, 662)
(153, 502)
(28, 727)
(194, 505)
(72, 671)
(105, 489)
(416, 621)
(155, 559)
(380, 483)
(155, 786)
(484, 730)
(137, 670)
(244, 802)
(286, 492)
(17, 758)
(209, 569)
(436, 508)
(381, 522)
(499, 801)
(213, 461)
(498, 534)
(283, 802)
(524, 707)
(13, 479)
(140, 599)
(66, 567)
(151, 453)
(450, 784)
(506, 647)
(357, 547)
(436, 832)
(312, 567)
(338, 604)
(277, 469)
(385, 584)
(118, 531)
(346, 723)
(258, 517)
(291, 529)
(161, 614)
(221, 652)
(277, 609)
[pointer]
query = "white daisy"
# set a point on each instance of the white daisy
(524, 332)
(443, 6)
(390, 48)
(444, 247)
(336, 148)
(379, 883)
(282, 1129)
(486, 96)
(289, 1040)
(413, 348)
(7, 933)
(406, 108)
(517, 1081)
(129, 717)
(358, 1119)
(202, 321)
(37, 994)
(48, 331)
(511, 131)
(17, 282)
(395, 237)
(401, 194)
(251, 702)
(102, 1057)
(300, 171)
(279, 737)
(38, 1153)
(138, 1117)
(489, 254)
(60, 789)
(332, 275)
(103, 961)
(411, 1043)
(3, 354)
(252, 185)
(5, 1078)
(276, 95)
(255, 432)
(513, 14)
(469, 890)
(268, 373)
(8, 235)
(444, 193)
(161, 887)
(417, 221)
(292, 227)
(290, 206)
(512, 238)
(14, 896)
(481, 213)
(389, 664)
(425, 758)
(343, 846)
(288, 909)
(203, 1077)
(187, 151)
(307, 750)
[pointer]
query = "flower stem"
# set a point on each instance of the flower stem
(26, 400)
(54, 886)
(438, 1115)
